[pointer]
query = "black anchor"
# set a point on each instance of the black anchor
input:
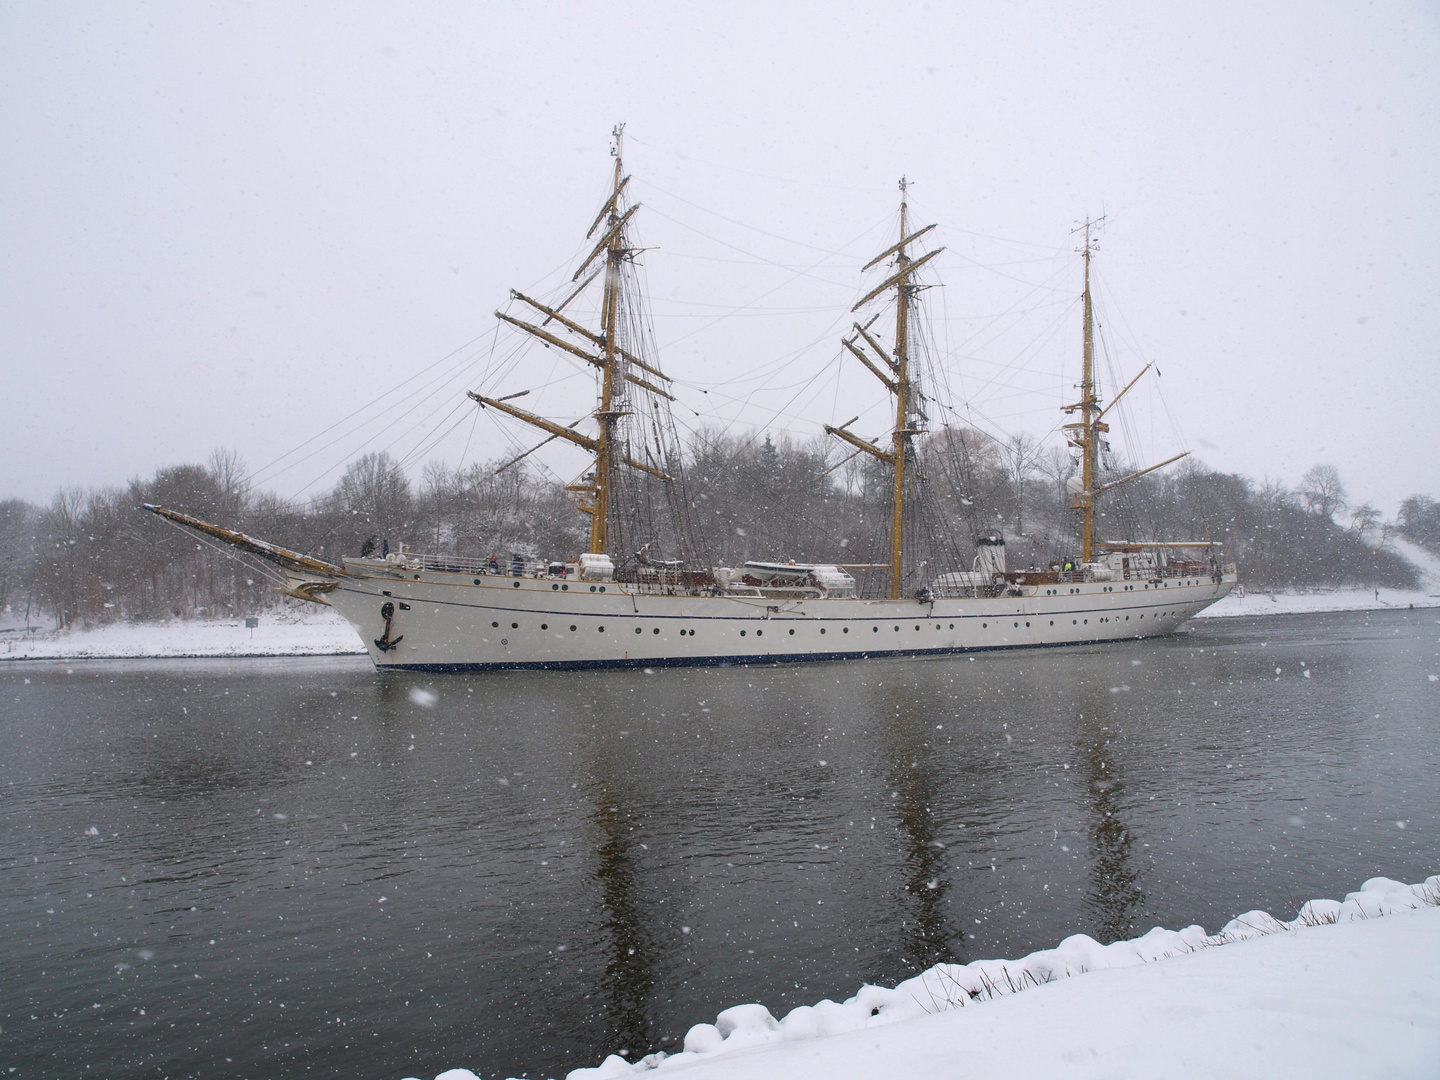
(384, 644)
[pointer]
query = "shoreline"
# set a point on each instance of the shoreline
(323, 633)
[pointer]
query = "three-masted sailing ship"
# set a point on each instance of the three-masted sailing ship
(623, 603)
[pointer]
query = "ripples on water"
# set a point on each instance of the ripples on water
(263, 868)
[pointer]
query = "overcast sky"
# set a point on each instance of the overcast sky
(233, 225)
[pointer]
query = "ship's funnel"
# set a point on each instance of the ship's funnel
(990, 554)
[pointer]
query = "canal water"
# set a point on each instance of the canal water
(301, 867)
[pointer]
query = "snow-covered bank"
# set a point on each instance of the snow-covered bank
(1302, 603)
(1253, 602)
(1337, 992)
(314, 632)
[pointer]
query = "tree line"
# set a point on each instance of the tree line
(89, 557)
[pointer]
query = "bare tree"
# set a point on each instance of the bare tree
(1420, 521)
(1022, 455)
(1058, 467)
(17, 547)
(1322, 491)
(376, 492)
(1364, 517)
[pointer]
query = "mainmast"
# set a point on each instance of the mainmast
(897, 380)
(900, 437)
(615, 249)
(1086, 434)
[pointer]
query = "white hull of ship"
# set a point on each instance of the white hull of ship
(453, 622)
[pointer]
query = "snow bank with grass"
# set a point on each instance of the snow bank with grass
(284, 632)
(1338, 991)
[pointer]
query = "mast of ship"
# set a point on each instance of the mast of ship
(604, 352)
(900, 437)
(1086, 434)
(609, 305)
(898, 381)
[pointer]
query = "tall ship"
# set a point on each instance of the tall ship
(642, 594)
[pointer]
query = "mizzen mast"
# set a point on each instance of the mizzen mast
(898, 380)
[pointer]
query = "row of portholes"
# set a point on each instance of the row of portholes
(844, 630)
(555, 586)
(743, 633)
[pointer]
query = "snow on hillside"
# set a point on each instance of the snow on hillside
(1247, 602)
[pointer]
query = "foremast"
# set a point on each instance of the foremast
(895, 375)
(594, 489)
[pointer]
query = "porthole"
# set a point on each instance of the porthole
(638, 630)
(572, 629)
(897, 629)
(984, 626)
(742, 633)
(514, 626)
(822, 630)
(846, 630)
(917, 626)
(1027, 622)
(759, 632)
(495, 624)
(564, 588)
(1052, 622)
(1017, 625)
(592, 588)
(874, 629)
(417, 577)
(792, 633)
(952, 626)
(601, 629)
(515, 585)
(544, 626)
(657, 629)
(477, 581)
(554, 586)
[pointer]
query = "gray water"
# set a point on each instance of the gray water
(283, 868)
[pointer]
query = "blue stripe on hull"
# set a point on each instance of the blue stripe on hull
(740, 660)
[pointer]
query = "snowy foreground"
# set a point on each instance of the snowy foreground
(316, 631)
(1337, 992)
